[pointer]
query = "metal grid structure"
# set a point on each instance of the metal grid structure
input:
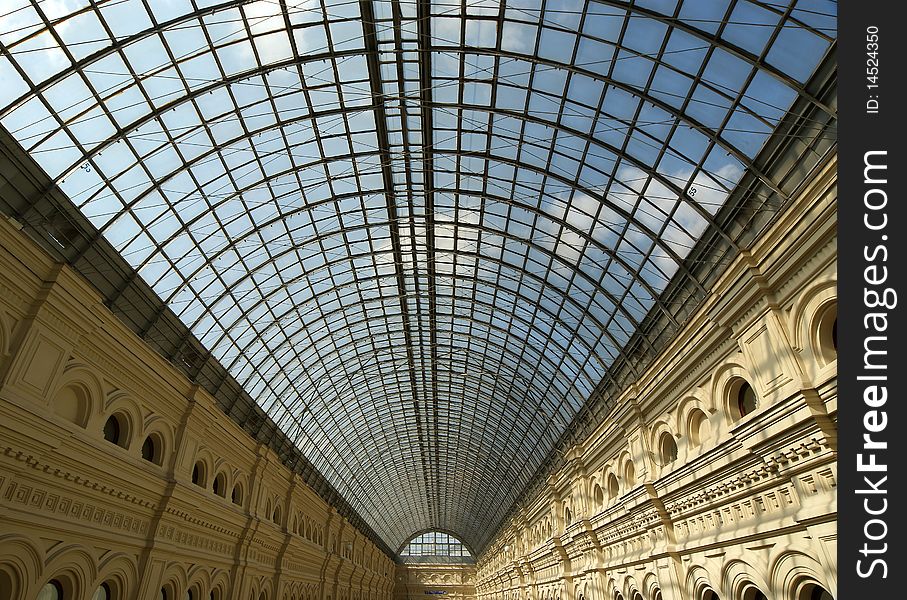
(435, 547)
(417, 233)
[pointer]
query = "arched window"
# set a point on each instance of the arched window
(813, 591)
(710, 594)
(630, 474)
(746, 399)
(698, 427)
(828, 334)
(568, 516)
(668, 449)
(220, 485)
(113, 430)
(613, 486)
(198, 474)
(753, 593)
(190, 594)
(276, 515)
(435, 547)
(598, 495)
(153, 449)
(9, 585)
(236, 494)
(52, 590)
(103, 592)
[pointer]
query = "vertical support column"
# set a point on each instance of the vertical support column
(637, 433)
(151, 565)
(43, 341)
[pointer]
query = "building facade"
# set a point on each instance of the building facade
(116, 471)
(715, 477)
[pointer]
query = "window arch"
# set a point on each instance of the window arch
(814, 591)
(199, 473)
(153, 449)
(698, 427)
(598, 496)
(10, 584)
(709, 594)
(236, 494)
(220, 485)
(613, 486)
(148, 449)
(103, 592)
(751, 592)
(827, 333)
(52, 590)
(746, 400)
(667, 449)
(116, 430)
(630, 474)
(435, 547)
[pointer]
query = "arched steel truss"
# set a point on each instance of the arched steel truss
(425, 312)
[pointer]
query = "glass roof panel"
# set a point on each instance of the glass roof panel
(418, 241)
(435, 547)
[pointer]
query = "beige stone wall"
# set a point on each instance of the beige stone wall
(84, 511)
(749, 502)
(435, 582)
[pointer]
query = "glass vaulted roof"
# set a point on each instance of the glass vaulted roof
(418, 234)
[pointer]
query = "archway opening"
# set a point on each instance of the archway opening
(199, 475)
(52, 590)
(668, 449)
(116, 430)
(103, 592)
(613, 486)
(435, 547)
(814, 591)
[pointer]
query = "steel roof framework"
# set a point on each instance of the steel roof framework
(417, 234)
